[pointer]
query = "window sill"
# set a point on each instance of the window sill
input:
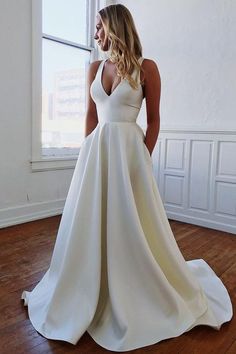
(53, 163)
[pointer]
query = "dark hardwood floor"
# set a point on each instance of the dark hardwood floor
(25, 252)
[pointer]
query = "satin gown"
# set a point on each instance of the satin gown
(116, 270)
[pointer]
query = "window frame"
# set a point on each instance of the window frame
(38, 161)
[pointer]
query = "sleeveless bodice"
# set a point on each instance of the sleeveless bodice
(123, 104)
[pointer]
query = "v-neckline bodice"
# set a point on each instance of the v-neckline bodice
(100, 79)
(101, 72)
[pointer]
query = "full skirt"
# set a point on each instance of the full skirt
(116, 270)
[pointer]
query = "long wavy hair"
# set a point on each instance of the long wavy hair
(124, 44)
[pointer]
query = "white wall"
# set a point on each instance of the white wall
(193, 43)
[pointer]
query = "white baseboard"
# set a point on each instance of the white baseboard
(37, 211)
(30, 212)
(202, 222)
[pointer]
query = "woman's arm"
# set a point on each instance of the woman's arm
(91, 118)
(152, 91)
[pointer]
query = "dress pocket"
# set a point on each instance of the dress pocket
(145, 148)
(89, 135)
(149, 158)
(144, 145)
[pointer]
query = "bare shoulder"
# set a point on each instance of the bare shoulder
(149, 64)
(150, 69)
(92, 68)
(95, 64)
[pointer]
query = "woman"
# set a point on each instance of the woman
(116, 270)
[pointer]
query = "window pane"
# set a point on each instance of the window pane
(65, 19)
(63, 97)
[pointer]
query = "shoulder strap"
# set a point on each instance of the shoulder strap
(99, 68)
(140, 60)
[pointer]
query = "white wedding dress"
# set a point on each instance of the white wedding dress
(116, 270)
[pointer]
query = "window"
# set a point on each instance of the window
(63, 47)
(64, 62)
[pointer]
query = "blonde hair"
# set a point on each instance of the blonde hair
(125, 48)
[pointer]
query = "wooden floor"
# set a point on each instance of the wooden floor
(25, 252)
